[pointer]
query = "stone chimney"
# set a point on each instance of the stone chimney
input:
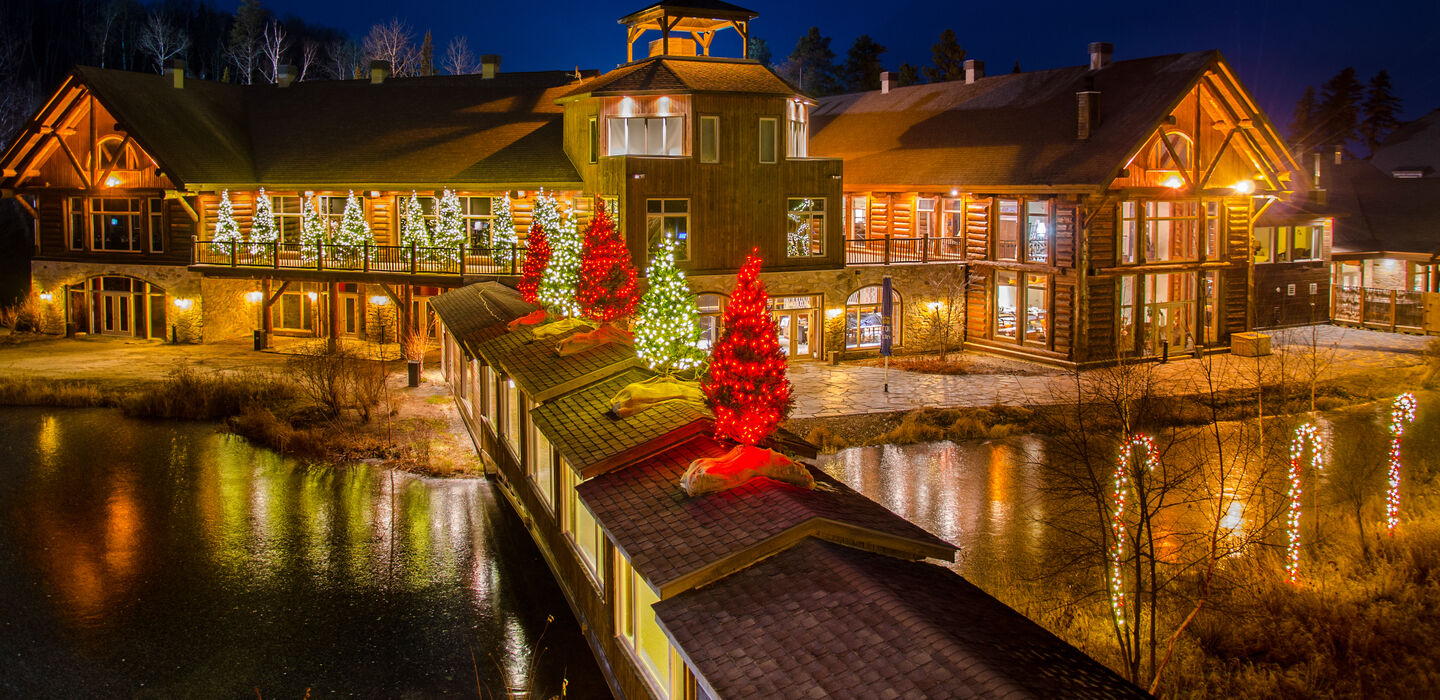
(286, 76)
(974, 70)
(489, 65)
(176, 71)
(884, 82)
(1100, 53)
(1087, 103)
(379, 71)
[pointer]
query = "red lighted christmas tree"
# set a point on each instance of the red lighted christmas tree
(746, 385)
(537, 256)
(606, 290)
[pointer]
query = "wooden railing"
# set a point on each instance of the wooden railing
(1379, 308)
(403, 260)
(903, 251)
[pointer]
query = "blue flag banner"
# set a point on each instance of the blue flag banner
(887, 318)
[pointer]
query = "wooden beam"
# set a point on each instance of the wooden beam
(27, 207)
(74, 162)
(38, 149)
(276, 297)
(119, 153)
(1210, 170)
(184, 203)
(1175, 157)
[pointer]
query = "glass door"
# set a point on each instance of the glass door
(114, 313)
(786, 331)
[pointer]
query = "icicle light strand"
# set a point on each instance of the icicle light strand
(1402, 413)
(1306, 434)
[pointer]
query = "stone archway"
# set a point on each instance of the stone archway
(117, 305)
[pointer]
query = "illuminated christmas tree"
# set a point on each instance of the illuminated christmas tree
(667, 331)
(502, 232)
(413, 229)
(746, 386)
(537, 258)
(263, 233)
(227, 232)
(312, 230)
(606, 289)
(449, 234)
(562, 273)
(353, 232)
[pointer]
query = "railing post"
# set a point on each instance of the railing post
(366, 266)
(232, 253)
(887, 249)
(319, 255)
(412, 258)
(925, 248)
(1393, 299)
(514, 259)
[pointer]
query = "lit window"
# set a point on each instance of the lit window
(863, 322)
(767, 139)
(76, 238)
(1129, 232)
(1006, 304)
(646, 136)
(797, 121)
(594, 139)
(1160, 158)
(710, 307)
(1038, 231)
(115, 224)
(859, 212)
(710, 139)
(1022, 312)
(542, 463)
(805, 227)
(286, 209)
(669, 218)
(640, 632)
(925, 217)
(512, 416)
(1007, 230)
(1172, 231)
(477, 216)
(157, 225)
(579, 524)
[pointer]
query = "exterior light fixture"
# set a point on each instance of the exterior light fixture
(254, 297)
(832, 313)
(113, 181)
(183, 304)
(638, 176)
(1174, 182)
(954, 193)
(1244, 187)
(379, 300)
(45, 296)
(934, 305)
(313, 296)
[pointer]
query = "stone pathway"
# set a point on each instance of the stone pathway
(823, 390)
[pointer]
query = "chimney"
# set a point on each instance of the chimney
(974, 70)
(379, 71)
(1087, 103)
(176, 71)
(489, 65)
(884, 82)
(1100, 52)
(1339, 154)
(286, 76)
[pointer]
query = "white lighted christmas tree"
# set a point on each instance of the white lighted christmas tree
(667, 330)
(353, 232)
(502, 234)
(263, 233)
(227, 232)
(413, 230)
(562, 274)
(312, 230)
(449, 234)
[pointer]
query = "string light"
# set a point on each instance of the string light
(606, 289)
(667, 332)
(1117, 517)
(1402, 413)
(746, 386)
(537, 257)
(1306, 434)
(562, 272)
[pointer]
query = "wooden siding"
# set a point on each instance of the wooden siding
(1276, 306)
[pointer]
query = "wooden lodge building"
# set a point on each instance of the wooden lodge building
(1070, 216)
(766, 590)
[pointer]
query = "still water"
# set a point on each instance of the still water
(168, 560)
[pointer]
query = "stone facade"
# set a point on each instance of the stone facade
(223, 309)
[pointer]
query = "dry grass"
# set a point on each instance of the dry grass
(188, 394)
(29, 391)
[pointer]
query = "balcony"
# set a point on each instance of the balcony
(447, 265)
(903, 251)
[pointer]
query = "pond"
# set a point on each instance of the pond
(171, 560)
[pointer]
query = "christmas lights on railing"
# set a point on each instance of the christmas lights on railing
(1146, 445)
(1306, 434)
(1402, 413)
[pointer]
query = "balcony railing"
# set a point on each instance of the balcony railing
(903, 251)
(1379, 308)
(392, 259)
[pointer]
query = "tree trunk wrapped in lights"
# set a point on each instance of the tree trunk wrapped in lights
(562, 273)
(606, 289)
(1402, 413)
(353, 233)
(263, 233)
(748, 391)
(1146, 447)
(667, 331)
(227, 232)
(449, 235)
(312, 231)
(1306, 434)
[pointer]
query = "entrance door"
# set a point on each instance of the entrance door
(349, 314)
(796, 339)
(115, 313)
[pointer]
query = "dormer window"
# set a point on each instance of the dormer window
(646, 136)
(798, 129)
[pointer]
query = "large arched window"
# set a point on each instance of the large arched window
(1160, 158)
(711, 306)
(862, 317)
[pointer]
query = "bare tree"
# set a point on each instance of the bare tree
(273, 45)
(161, 41)
(243, 51)
(309, 56)
(102, 27)
(393, 41)
(458, 59)
(941, 319)
(344, 60)
(19, 98)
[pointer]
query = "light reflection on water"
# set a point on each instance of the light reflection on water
(170, 559)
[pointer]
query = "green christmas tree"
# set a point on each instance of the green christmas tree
(263, 233)
(502, 233)
(312, 230)
(413, 229)
(449, 235)
(354, 232)
(667, 330)
(562, 274)
(227, 232)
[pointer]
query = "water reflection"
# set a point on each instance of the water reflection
(178, 561)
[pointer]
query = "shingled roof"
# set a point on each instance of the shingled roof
(420, 132)
(544, 375)
(677, 542)
(478, 312)
(1004, 130)
(672, 74)
(1378, 213)
(822, 620)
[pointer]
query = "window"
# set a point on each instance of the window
(669, 218)
(331, 209)
(1304, 242)
(1160, 158)
(157, 225)
(594, 140)
(476, 214)
(511, 429)
(805, 227)
(925, 217)
(710, 139)
(1172, 231)
(287, 217)
(640, 633)
(797, 128)
(863, 321)
(542, 462)
(488, 377)
(1006, 304)
(579, 524)
(1007, 230)
(1212, 231)
(1129, 232)
(952, 221)
(859, 212)
(76, 238)
(1022, 307)
(1037, 231)
(710, 306)
(767, 139)
(612, 207)
(1037, 309)
(111, 157)
(1126, 328)
(296, 309)
(1262, 244)
(646, 136)
(115, 224)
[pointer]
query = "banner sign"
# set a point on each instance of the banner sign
(887, 318)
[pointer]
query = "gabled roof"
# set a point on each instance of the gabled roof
(707, 8)
(1003, 130)
(478, 312)
(822, 620)
(674, 74)
(677, 542)
(1415, 145)
(1377, 213)
(420, 132)
(544, 375)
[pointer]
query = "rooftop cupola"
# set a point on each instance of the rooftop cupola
(686, 27)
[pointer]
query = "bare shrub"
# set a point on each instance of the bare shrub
(323, 376)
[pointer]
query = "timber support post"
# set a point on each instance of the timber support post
(332, 304)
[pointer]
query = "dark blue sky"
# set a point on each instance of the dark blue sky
(1277, 47)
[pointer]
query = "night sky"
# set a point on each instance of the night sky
(1277, 48)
